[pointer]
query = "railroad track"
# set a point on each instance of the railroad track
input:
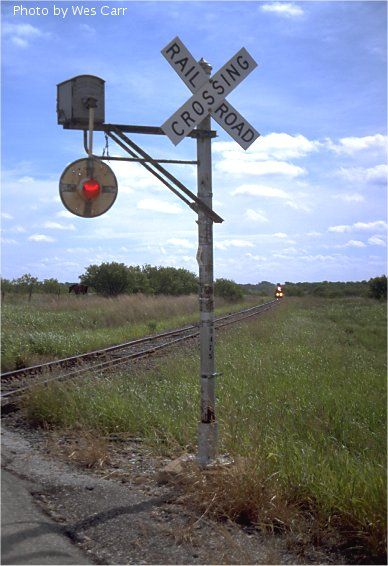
(14, 383)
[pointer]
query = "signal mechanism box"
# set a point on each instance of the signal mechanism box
(72, 97)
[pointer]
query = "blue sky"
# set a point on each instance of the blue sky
(306, 202)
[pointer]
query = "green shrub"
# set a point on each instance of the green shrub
(228, 290)
(378, 287)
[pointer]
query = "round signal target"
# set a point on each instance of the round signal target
(88, 187)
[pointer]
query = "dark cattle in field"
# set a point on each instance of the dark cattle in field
(78, 289)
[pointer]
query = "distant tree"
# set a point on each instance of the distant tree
(51, 286)
(25, 284)
(109, 279)
(293, 289)
(170, 280)
(227, 289)
(378, 287)
(138, 281)
(266, 288)
(327, 289)
(6, 287)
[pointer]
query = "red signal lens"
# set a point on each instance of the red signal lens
(91, 189)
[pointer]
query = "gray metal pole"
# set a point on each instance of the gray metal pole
(207, 433)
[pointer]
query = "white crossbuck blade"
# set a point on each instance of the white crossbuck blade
(209, 95)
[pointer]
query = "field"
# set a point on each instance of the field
(51, 327)
(301, 408)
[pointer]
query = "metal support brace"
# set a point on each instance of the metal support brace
(162, 174)
(149, 168)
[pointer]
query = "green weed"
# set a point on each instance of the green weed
(60, 327)
(301, 406)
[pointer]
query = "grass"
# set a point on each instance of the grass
(301, 408)
(50, 327)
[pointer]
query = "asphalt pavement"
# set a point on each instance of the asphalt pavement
(55, 513)
(29, 536)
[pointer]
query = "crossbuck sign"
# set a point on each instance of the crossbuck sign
(209, 95)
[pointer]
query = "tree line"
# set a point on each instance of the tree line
(112, 279)
(376, 288)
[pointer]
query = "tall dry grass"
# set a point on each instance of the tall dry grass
(51, 327)
(110, 310)
(301, 408)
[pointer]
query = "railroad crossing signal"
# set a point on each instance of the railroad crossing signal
(88, 187)
(209, 95)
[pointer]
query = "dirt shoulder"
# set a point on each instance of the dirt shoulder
(119, 513)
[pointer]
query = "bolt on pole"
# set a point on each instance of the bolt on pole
(207, 433)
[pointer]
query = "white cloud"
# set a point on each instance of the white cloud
(132, 177)
(23, 30)
(255, 257)
(290, 250)
(260, 191)
(352, 145)
(376, 174)
(354, 244)
(340, 229)
(256, 215)
(181, 243)
(346, 197)
(281, 235)
(376, 241)
(159, 206)
(285, 9)
(26, 179)
(298, 205)
(21, 35)
(6, 216)
(58, 226)
(349, 244)
(293, 201)
(84, 250)
(86, 28)
(17, 229)
(65, 214)
(375, 225)
(8, 241)
(279, 146)
(320, 258)
(267, 156)
(225, 244)
(41, 238)
(313, 234)
(259, 168)
(56, 199)
(19, 41)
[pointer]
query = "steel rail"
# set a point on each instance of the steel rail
(101, 366)
(56, 364)
(32, 370)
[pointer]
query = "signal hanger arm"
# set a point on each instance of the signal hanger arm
(135, 159)
(157, 170)
(113, 137)
(90, 104)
